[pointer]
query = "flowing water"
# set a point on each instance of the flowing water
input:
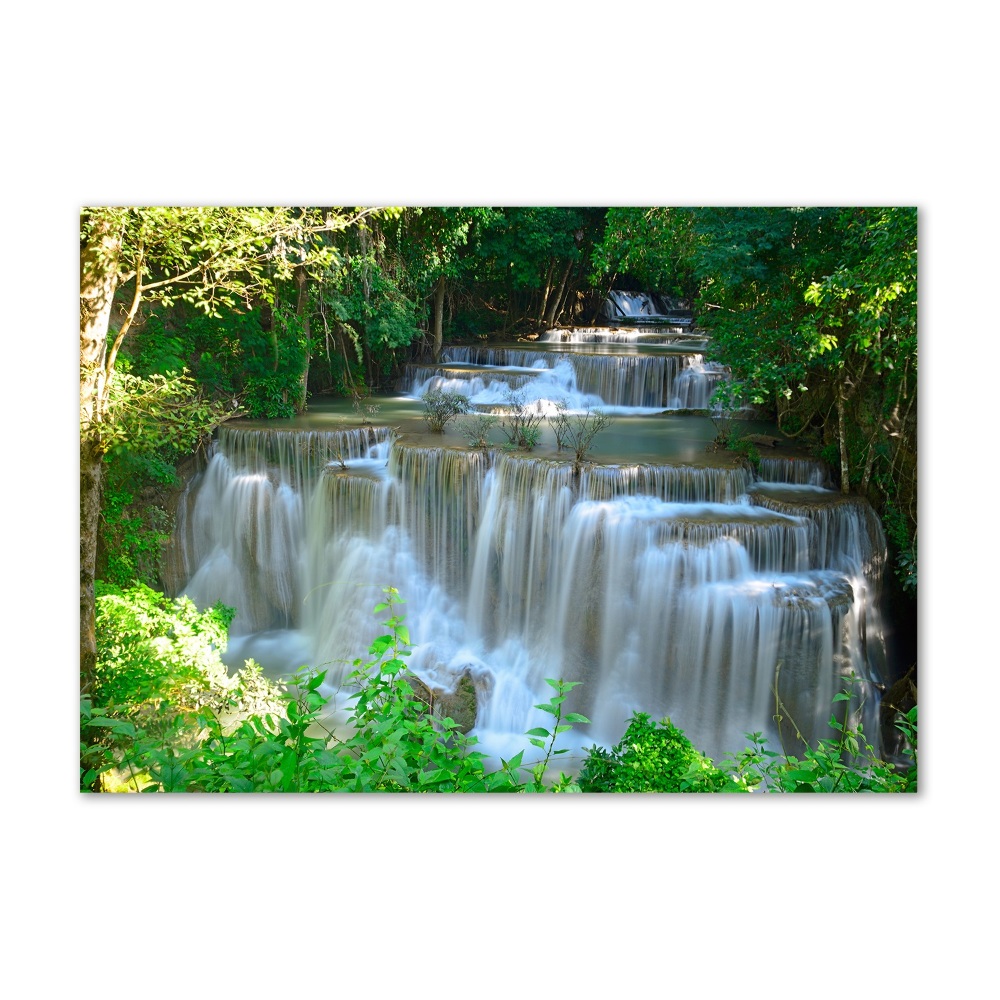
(667, 578)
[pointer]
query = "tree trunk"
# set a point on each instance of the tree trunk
(90, 512)
(98, 281)
(869, 463)
(601, 299)
(557, 301)
(438, 318)
(548, 290)
(845, 482)
(302, 311)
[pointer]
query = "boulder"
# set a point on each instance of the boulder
(764, 440)
(459, 703)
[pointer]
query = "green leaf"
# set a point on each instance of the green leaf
(800, 775)
(316, 681)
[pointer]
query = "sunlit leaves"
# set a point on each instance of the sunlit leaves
(144, 414)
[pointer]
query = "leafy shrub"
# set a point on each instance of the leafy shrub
(746, 448)
(133, 528)
(440, 406)
(476, 429)
(652, 757)
(520, 424)
(270, 397)
(847, 763)
(154, 648)
(159, 669)
(577, 431)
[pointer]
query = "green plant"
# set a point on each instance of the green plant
(159, 672)
(519, 423)
(361, 403)
(846, 763)
(653, 757)
(166, 716)
(730, 436)
(440, 405)
(539, 735)
(132, 537)
(476, 429)
(906, 547)
(576, 431)
(746, 448)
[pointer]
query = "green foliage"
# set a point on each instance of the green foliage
(476, 428)
(653, 247)
(216, 257)
(440, 405)
(545, 739)
(746, 448)
(652, 757)
(159, 675)
(145, 415)
(905, 546)
(152, 421)
(847, 763)
(519, 423)
(731, 436)
(814, 312)
(132, 537)
(154, 649)
(249, 358)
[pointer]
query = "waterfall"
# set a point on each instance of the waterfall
(644, 307)
(630, 381)
(697, 590)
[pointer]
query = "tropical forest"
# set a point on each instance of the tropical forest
(498, 499)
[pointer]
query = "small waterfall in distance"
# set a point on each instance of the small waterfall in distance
(690, 589)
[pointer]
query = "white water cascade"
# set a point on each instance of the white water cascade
(684, 586)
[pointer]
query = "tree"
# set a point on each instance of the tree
(814, 310)
(436, 239)
(533, 260)
(652, 248)
(209, 257)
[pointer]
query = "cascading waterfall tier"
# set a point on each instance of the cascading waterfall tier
(802, 471)
(602, 335)
(580, 380)
(697, 593)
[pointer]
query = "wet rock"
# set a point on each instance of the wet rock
(764, 439)
(896, 702)
(459, 704)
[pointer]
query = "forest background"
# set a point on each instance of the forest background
(875, 106)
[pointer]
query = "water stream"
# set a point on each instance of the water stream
(667, 578)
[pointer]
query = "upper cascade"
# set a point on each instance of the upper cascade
(645, 307)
